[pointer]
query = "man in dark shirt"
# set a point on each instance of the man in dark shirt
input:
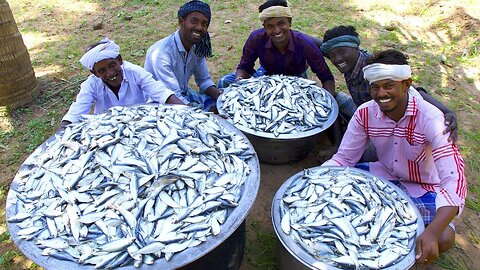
(280, 49)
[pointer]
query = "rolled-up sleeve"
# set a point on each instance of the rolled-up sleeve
(450, 167)
(82, 104)
(202, 76)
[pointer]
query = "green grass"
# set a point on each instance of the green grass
(450, 262)
(261, 252)
(64, 36)
(6, 259)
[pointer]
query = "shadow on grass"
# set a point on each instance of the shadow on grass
(136, 24)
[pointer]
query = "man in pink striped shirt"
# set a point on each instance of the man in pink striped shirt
(412, 150)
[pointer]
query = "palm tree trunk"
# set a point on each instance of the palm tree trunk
(18, 85)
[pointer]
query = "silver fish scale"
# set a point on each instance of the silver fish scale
(348, 219)
(137, 184)
(277, 104)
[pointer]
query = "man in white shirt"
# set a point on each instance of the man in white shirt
(174, 59)
(114, 82)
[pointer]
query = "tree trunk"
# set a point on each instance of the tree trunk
(18, 85)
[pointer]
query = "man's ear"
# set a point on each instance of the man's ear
(407, 83)
(119, 58)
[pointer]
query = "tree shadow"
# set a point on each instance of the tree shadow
(61, 35)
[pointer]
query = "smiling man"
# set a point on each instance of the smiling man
(413, 151)
(341, 45)
(114, 82)
(280, 49)
(174, 59)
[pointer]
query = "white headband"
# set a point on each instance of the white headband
(275, 12)
(377, 72)
(100, 52)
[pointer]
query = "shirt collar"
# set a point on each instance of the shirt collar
(178, 42)
(361, 61)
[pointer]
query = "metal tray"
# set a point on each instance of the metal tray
(333, 116)
(308, 260)
(235, 219)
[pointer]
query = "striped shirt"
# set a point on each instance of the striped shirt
(413, 150)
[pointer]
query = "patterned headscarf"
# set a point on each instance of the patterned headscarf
(204, 47)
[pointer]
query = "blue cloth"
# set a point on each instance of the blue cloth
(341, 41)
(197, 99)
(425, 204)
(346, 106)
(195, 5)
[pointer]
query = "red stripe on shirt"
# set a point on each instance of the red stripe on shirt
(414, 171)
(447, 196)
(462, 183)
(421, 157)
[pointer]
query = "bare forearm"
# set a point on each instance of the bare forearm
(442, 218)
(330, 87)
(213, 92)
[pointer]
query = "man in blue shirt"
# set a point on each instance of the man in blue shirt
(174, 59)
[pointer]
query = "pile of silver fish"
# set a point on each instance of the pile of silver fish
(131, 186)
(277, 104)
(348, 219)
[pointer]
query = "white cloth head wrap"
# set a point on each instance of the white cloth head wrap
(377, 72)
(275, 12)
(106, 50)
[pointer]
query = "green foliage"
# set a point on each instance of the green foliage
(6, 259)
(137, 24)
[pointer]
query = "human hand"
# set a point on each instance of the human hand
(451, 123)
(426, 248)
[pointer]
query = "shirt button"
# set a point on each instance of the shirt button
(395, 160)
(451, 172)
(395, 143)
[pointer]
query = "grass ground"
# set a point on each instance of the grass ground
(441, 38)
